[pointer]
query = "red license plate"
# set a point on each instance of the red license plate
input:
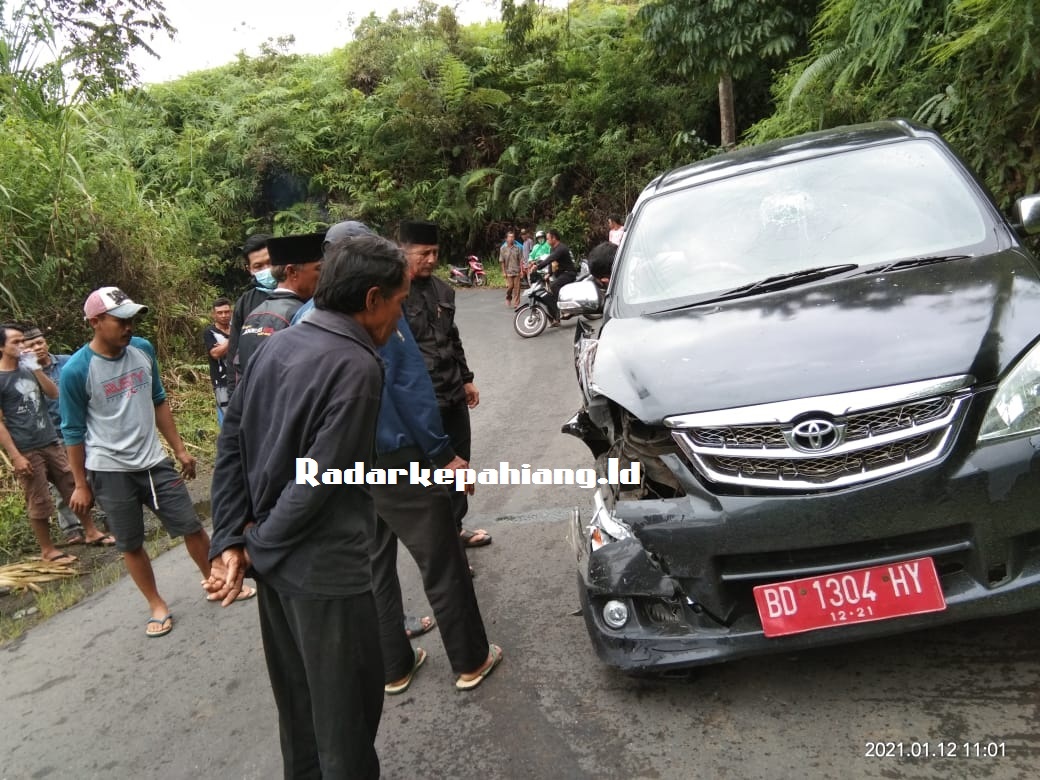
(845, 597)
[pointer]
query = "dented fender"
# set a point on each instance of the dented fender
(622, 568)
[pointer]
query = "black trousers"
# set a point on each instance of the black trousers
(325, 666)
(421, 518)
(554, 287)
(455, 420)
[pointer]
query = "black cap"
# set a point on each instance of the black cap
(419, 233)
(306, 248)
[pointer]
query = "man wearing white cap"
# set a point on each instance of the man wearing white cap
(112, 400)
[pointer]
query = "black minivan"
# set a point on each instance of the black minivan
(823, 353)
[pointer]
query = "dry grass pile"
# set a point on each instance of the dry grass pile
(27, 575)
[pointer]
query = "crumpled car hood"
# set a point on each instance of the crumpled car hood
(973, 316)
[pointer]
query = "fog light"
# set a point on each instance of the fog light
(615, 614)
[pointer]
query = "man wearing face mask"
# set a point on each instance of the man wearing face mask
(258, 264)
(295, 264)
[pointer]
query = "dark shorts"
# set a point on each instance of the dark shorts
(49, 464)
(124, 494)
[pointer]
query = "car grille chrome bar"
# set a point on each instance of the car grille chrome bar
(863, 443)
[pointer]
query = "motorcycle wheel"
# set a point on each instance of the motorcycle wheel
(530, 321)
(480, 281)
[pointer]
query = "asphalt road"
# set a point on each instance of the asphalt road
(86, 695)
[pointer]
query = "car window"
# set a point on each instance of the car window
(867, 206)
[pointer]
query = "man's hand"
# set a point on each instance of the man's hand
(226, 574)
(22, 466)
(187, 464)
(81, 500)
(29, 360)
(472, 394)
(459, 463)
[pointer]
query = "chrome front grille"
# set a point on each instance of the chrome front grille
(824, 469)
(871, 434)
(896, 418)
(758, 436)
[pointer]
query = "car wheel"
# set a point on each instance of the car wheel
(530, 321)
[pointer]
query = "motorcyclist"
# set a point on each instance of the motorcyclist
(538, 250)
(561, 264)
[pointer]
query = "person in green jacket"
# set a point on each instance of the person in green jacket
(540, 249)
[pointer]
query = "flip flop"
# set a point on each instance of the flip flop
(103, 541)
(476, 538)
(61, 557)
(401, 687)
(414, 626)
(77, 539)
(162, 631)
(496, 658)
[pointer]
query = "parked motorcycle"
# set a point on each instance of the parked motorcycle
(472, 275)
(583, 297)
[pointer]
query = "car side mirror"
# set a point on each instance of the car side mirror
(1027, 214)
(578, 297)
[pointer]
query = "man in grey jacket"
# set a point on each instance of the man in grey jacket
(313, 391)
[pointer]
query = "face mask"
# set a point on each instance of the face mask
(265, 279)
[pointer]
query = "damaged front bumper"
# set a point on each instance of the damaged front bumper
(681, 570)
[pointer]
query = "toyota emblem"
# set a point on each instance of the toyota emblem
(816, 435)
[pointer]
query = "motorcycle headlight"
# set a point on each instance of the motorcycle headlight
(1015, 409)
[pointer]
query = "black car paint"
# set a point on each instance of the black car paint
(700, 552)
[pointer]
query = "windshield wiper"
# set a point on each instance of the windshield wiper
(914, 262)
(770, 283)
(793, 279)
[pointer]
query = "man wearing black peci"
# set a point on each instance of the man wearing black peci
(430, 311)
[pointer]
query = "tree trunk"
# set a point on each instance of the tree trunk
(727, 119)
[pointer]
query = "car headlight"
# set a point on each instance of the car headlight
(1015, 409)
(605, 528)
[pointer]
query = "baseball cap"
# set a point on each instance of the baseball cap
(348, 229)
(111, 300)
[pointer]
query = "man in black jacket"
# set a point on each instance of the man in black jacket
(430, 310)
(313, 391)
(561, 265)
(262, 281)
